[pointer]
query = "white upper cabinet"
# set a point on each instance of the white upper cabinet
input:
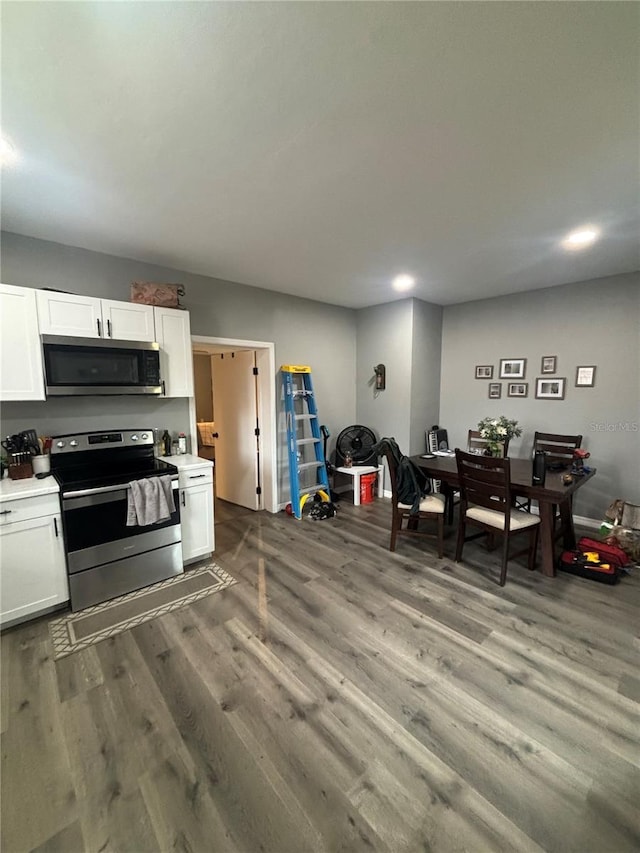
(88, 317)
(69, 314)
(127, 321)
(173, 333)
(25, 314)
(21, 374)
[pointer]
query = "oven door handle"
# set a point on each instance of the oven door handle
(103, 490)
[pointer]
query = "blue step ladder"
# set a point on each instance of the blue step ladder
(303, 435)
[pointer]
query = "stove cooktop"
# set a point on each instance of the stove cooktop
(91, 460)
(74, 479)
(77, 477)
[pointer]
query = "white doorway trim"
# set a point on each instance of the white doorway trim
(266, 361)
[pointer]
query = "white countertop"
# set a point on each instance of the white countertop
(187, 460)
(30, 487)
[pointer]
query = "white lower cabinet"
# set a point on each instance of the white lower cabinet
(33, 575)
(196, 511)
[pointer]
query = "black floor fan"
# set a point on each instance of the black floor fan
(359, 441)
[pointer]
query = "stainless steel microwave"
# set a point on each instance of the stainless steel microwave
(88, 366)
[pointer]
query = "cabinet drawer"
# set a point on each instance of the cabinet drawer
(20, 509)
(195, 476)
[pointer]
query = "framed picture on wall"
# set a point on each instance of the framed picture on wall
(517, 389)
(549, 363)
(484, 371)
(512, 368)
(550, 389)
(495, 390)
(585, 377)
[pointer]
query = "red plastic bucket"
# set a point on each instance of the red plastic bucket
(368, 488)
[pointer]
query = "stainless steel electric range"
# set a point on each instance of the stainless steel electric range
(105, 558)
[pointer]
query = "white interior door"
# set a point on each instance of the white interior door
(235, 416)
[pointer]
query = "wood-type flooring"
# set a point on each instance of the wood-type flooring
(338, 698)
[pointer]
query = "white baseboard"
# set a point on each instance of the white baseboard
(583, 521)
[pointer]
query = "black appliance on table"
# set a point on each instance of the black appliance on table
(105, 558)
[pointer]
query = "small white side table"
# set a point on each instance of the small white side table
(356, 471)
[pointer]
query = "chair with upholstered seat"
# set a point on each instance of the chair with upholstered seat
(485, 502)
(431, 508)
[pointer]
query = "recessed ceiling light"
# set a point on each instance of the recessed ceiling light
(581, 238)
(8, 154)
(403, 282)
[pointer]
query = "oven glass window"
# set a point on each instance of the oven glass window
(104, 522)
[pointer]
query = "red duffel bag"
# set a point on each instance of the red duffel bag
(595, 560)
(608, 553)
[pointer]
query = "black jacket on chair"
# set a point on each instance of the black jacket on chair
(412, 483)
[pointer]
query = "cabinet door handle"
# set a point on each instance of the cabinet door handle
(196, 476)
(55, 526)
(109, 328)
(99, 328)
(164, 390)
(184, 502)
(6, 511)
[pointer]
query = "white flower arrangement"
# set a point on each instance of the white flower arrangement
(497, 430)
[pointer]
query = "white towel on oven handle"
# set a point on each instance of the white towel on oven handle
(149, 501)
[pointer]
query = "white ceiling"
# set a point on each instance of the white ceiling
(320, 148)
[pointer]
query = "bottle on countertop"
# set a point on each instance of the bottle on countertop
(166, 442)
(182, 443)
(158, 442)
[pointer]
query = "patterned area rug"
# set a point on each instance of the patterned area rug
(86, 627)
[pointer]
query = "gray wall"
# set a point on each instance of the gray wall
(588, 323)
(406, 337)
(425, 371)
(304, 331)
(596, 322)
(384, 336)
(63, 415)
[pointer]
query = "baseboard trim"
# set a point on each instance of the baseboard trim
(583, 521)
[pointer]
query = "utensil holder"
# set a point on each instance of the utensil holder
(20, 470)
(41, 464)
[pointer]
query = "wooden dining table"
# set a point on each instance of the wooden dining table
(553, 493)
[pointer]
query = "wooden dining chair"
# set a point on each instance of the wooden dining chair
(558, 450)
(431, 508)
(485, 502)
(475, 444)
